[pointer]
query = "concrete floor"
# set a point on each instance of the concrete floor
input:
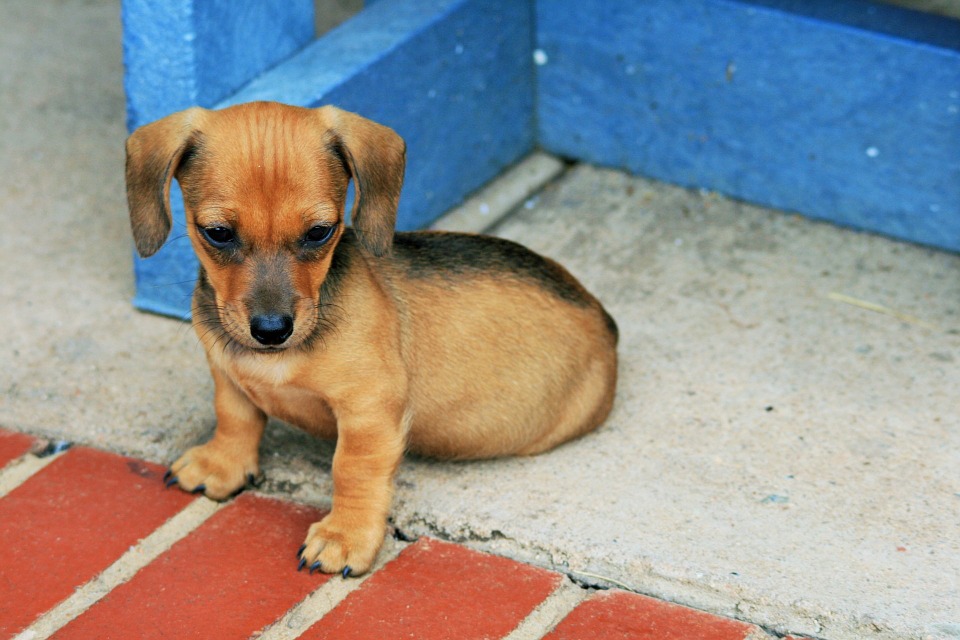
(777, 453)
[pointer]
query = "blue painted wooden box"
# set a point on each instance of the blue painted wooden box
(844, 110)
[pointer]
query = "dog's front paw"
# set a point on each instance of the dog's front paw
(213, 470)
(341, 545)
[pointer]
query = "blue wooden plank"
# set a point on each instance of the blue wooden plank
(847, 111)
(453, 77)
(181, 53)
(238, 40)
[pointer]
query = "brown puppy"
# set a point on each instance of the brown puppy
(450, 345)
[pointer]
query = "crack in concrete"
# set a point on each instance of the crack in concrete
(701, 596)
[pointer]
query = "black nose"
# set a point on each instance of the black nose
(271, 328)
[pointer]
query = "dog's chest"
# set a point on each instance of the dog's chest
(274, 386)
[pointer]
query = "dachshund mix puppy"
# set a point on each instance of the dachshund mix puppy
(449, 345)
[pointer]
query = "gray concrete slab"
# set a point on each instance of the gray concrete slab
(776, 453)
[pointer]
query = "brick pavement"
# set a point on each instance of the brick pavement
(95, 547)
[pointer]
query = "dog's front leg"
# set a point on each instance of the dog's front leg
(369, 449)
(222, 466)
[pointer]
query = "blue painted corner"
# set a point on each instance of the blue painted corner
(453, 77)
(845, 110)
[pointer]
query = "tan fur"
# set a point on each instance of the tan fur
(457, 363)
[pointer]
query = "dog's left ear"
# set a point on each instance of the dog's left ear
(375, 157)
(154, 152)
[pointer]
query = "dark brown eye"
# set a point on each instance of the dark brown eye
(318, 235)
(219, 237)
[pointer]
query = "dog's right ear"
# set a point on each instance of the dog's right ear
(375, 158)
(154, 152)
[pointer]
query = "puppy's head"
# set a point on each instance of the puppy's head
(264, 187)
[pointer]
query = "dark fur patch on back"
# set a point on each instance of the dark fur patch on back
(437, 254)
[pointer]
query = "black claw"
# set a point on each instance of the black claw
(314, 567)
(300, 564)
(200, 488)
(346, 572)
(172, 481)
(167, 475)
(300, 550)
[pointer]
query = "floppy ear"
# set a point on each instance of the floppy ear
(375, 157)
(154, 152)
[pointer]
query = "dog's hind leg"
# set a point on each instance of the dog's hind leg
(584, 408)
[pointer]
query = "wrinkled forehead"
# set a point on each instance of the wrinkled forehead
(266, 157)
(270, 142)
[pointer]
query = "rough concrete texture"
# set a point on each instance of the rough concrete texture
(775, 454)
(489, 205)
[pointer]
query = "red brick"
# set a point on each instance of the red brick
(619, 615)
(69, 522)
(228, 579)
(436, 590)
(13, 445)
